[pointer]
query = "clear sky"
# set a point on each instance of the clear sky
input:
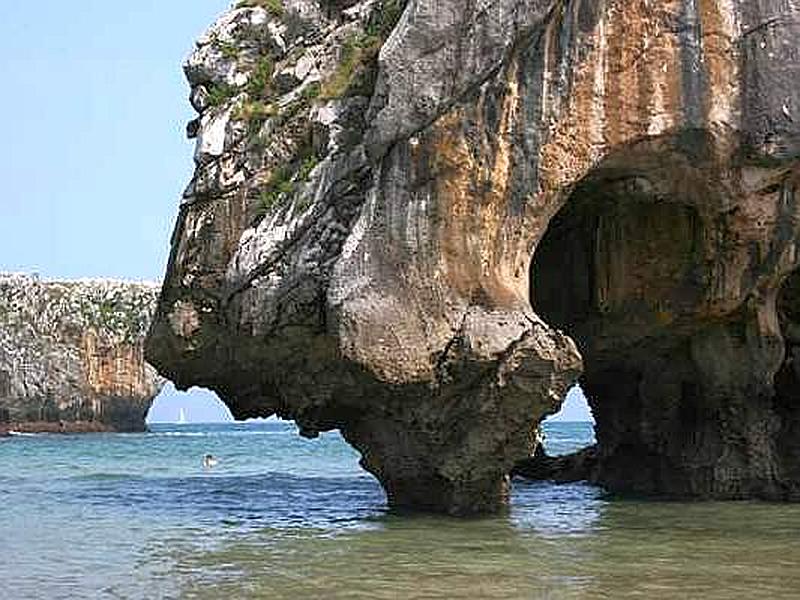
(200, 406)
(575, 408)
(94, 157)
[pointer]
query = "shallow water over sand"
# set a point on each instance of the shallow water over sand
(136, 516)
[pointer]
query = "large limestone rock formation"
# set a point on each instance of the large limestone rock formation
(401, 211)
(72, 355)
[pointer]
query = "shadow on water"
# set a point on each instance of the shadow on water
(567, 541)
(294, 501)
(278, 499)
(389, 555)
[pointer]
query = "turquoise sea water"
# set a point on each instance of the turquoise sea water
(137, 516)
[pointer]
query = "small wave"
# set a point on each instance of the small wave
(258, 433)
(180, 434)
(22, 434)
(217, 433)
(103, 476)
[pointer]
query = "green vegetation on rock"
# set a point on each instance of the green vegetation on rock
(358, 53)
(311, 91)
(220, 93)
(286, 180)
(228, 49)
(260, 83)
(278, 186)
(273, 7)
(308, 165)
(254, 113)
(390, 13)
(355, 75)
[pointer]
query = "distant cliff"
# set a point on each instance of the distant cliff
(71, 354)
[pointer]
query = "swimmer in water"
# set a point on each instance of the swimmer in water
(209, 461)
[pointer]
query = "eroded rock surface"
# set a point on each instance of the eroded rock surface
(373, 179)
(578, 466)
(72, 355)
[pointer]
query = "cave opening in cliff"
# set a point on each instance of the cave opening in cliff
(571, 429)
(618, 271)
(787, 383)
(575, 408)
(197, 405)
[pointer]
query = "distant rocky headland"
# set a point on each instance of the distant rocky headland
(421, 222)
(72, 355)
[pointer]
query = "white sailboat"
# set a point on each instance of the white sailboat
(181, 417)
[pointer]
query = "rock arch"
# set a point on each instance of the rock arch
(673, 306)
(354, 249)
(197, 405)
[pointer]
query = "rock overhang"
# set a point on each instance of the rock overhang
(357, 256)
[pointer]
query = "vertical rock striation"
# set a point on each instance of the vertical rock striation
(72, 355)
(666, 261)
(383, 188)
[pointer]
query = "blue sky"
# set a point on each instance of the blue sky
(199, 406)
(94, 158)
(575, 408)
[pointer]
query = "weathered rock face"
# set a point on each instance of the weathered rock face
(579, 466)
(356, 249)
(666, 261)
(72, 354)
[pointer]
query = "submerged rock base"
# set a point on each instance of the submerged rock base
(579, 466)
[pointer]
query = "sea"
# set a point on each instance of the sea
(138, 516)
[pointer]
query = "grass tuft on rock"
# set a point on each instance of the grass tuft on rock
(308, 165)
(386, 19)
(279, 186)
(356, 61)
(273, 7)
(229, 50)
(260, 82)
(220, 93)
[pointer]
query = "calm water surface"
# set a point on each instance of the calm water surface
(136, 516)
